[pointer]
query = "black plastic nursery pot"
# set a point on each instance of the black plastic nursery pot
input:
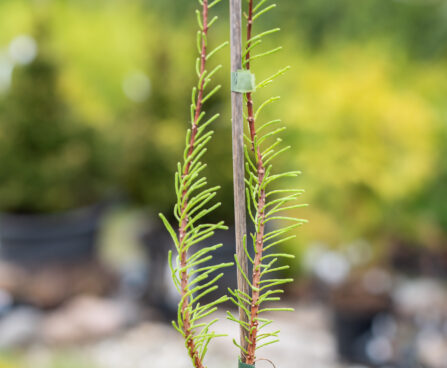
(354, 313)
(352, 329)
(45, 238)
(156, 243)
(417, 260)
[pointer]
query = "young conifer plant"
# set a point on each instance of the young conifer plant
(266, 204)
(192, 277)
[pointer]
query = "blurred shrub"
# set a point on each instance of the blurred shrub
(417, 26)
(50, 160)
(367, 141)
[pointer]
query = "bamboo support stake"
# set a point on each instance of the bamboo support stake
(238, 159)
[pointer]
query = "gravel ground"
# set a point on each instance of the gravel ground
(305, 342)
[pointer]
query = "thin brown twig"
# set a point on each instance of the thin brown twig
(267, 360)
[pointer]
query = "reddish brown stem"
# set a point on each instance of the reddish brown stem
(192, 349)
(256, 280)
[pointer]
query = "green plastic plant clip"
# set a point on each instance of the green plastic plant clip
(245, 365)
(243, 81)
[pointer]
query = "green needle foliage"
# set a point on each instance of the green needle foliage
(265, 203)
(192, 277)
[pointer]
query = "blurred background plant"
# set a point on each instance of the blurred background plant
(51, 159)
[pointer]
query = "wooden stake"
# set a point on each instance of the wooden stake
(238, 160)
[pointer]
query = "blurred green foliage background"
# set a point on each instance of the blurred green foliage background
(364, 106)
